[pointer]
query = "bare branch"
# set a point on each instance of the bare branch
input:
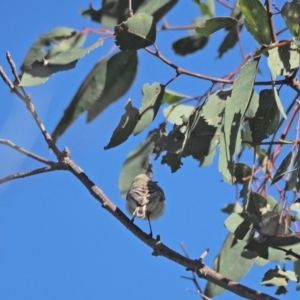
(26, 152)
(54, 167)
(13, 67)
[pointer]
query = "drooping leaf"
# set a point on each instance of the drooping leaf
(37, 52)
(214, 24)
(213, 109)
(241, 172)
(235, 110)
(293, 178)
(277, 249)
(230, 262)
(60, 57)
(290, 13)
(255, 205)
(199, 136)
(156, 8)
(207, 9)
(232, 208)
(297, 271)
(113, 12)
(121, 71)
(283, 60)
(193, 42)
(137, 162)
(266, 119)
(152, 97)
(232, 36)
(125, 127)
(230, 40)
(278, 277)
(283, 168)
(190, 44)
(296, 207)
(139, 31)
(86, 96)
(173, 160)
(172, 142)
(172, 97)
(256, 20)
(175, 113)
(239, 225)
(253, 106)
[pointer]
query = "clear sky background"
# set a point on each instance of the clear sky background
(56, 241)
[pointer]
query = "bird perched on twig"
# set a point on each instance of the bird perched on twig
(145, 199)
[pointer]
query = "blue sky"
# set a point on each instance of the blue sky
(56, 241)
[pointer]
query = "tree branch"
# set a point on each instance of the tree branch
(26, 152)
(159, 249)
(54, 167)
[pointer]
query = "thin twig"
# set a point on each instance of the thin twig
(26, 152)
(271, 23)
(27, 100)
(130, 8)
(13, 66)
(54, 167)
(180, 71)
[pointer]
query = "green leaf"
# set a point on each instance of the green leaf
(232, 208)
(121, 71)
(253, 106)
(282, 170)
(171, 143)
(63, 61)
(283, 60)
(278, 277)
(230, 40)
(125, 127)
(207, 9)
(214, 24)
(254, 205)
(137, 162)
(240, 225)
(172, 97)
(266, 119)
(36, 53)
(190, 44)
(113, 12)
(213, 109)
(290, 13)
(175, 113)
(233, 222)
(278, 102)
(229, 261)
(152, 97)
(256, 20)
(241, 172)
(139, 31)
(232, 36)
(276, 249)
(86, 96)
(173, 160)
(296, 207)
(156, 8)
(199, 137)
(235, 110)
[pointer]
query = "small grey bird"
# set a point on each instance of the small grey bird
(145, 199)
